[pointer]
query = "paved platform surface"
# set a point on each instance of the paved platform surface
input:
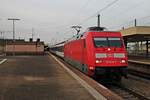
(38, 78)
(139, 59)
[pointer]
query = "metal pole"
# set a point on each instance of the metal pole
(135, 22)
(147, 48)
(98, 20)
(13, 38)
(1, 35)
(32, 32)
(13, 19)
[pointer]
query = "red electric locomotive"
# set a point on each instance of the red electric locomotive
(98, 53)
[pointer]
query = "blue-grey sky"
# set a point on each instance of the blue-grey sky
(52, 19)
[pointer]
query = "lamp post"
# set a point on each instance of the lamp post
(13, 19)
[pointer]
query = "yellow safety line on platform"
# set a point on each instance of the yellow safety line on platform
(3, 61)
(140, 62)
(89, 88)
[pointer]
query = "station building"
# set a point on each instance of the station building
(137, 40)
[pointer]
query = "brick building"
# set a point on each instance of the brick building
(22, 47)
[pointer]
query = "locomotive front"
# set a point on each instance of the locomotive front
(109, 56)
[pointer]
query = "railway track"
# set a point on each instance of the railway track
(126, 93)
(140, 69)
(139, 74)
(129, 93)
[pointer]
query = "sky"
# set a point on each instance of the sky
(51, 20)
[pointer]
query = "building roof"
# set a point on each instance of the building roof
(135, 34)
(136, 30)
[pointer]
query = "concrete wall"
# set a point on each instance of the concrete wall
(25, 48)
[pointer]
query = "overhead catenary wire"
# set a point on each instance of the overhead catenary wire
(104, 8)
(80, 10)
(85, 5)
(99, 11)
(95, 14)
(131, 22)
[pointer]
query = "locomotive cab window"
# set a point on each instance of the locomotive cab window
(115, 42)
(100, 42)
(107, 42)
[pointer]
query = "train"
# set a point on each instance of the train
(97, 53)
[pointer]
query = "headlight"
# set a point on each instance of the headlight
(123, 61)
(119, 55)
(100, 55)
(98, 61)
(91, 68)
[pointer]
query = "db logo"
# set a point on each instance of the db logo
(109, 55)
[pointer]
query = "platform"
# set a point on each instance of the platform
(140, 60)
(38, 78)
